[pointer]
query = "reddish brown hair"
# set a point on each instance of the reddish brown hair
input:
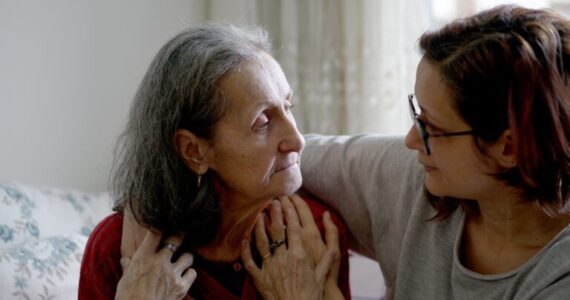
(508, 68)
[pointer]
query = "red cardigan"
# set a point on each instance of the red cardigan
(101, 270)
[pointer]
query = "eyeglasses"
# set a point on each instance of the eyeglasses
(421, 127)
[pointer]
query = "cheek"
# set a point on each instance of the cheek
(259, 163)
(458, 175)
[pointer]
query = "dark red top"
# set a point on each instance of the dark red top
(101, 270)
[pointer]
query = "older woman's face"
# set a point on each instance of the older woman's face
(256, 149)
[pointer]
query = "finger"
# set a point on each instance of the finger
(125, 263)
(331, 232)
(248, 261)
(150, 243)
(132, 234)
(253, 270)
(261, 239)
(324, 266)
(277, 224)
(293, 229)
(304, 212)
(184, 262)
(332, 243)
(176, 240)
(286, 202)
(189, 277)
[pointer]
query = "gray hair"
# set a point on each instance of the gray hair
(179, 91)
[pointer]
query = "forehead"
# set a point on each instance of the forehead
(434, 95)
(254, 81)
(429, 82)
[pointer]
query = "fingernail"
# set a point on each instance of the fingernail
(124, 261)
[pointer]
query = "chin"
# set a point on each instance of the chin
(292, 187)
(434, 188)
(291, 184)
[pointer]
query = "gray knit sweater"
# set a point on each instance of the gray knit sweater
(376, 184)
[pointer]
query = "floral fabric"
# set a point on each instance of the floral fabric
(43, 233)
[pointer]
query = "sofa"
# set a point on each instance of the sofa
(43, 232)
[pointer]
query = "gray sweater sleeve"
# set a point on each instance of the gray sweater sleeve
(363, 176)
(376, 185)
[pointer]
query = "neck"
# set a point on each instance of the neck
(507, 218)
(238, 216)
(505, 232)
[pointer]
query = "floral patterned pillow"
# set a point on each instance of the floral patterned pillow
(43, 233)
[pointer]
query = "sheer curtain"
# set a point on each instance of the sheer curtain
(350, 63)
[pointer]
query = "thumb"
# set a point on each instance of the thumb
(125, 263)
(324, 266)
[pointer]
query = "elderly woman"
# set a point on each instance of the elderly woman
(209, 145)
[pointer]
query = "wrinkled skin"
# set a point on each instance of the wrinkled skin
(304, 267)
(151, 273)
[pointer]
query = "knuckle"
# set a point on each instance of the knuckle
(313, 234)
(298, 255)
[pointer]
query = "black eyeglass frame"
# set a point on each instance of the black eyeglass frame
(421, 127)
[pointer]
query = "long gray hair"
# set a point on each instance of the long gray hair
(179, 91)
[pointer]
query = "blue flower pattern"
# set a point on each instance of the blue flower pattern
(6, 233)
(56, 253)
(33, 229)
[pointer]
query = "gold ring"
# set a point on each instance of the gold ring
(170, 246)
(267, 255)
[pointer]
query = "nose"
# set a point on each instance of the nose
(413, 140)
(293, 140)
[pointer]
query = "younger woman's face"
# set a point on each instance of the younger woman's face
(455, 167)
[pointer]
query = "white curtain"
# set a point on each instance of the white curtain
(351, 64)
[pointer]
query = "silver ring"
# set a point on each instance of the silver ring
(274, 244)
(170, 246)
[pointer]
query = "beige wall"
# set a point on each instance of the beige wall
(68, 71)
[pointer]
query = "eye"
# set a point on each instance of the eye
(288, 107)
(432, 129)
(261, 122)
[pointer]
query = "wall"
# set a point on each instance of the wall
(68, 71)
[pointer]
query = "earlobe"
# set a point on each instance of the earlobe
(192, 150)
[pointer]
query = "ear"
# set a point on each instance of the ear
(192, 149)
(503, 151)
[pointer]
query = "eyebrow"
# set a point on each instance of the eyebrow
(255, 109)
(289, 95)
(430, 116)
